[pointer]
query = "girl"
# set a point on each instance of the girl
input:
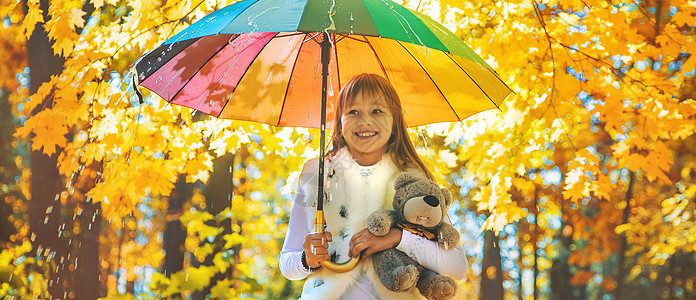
(370, 147)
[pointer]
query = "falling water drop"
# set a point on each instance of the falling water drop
(46, 220)
(49, 209)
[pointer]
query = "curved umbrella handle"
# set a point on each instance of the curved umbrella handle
(332, 266)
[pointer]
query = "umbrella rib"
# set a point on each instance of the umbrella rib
(246, 70)
(338, 70)
(431, 78)
(289, 34)
(476, 83)
(384, 71)
(285, 97)
(196, 73)
(350, 37)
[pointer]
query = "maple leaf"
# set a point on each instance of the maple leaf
(49, 131)
(685, 16)
(98, 4)
(75, 18)
(33, 17)
(690, 64)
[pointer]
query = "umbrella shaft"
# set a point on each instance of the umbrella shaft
(325, 57)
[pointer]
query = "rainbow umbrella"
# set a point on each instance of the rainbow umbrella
(260, 60)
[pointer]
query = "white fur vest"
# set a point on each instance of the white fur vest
(352, 195)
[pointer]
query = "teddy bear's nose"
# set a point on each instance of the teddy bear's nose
(431, 200)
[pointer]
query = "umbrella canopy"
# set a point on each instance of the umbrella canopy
(260, 60)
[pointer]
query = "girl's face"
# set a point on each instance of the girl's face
(367, 127)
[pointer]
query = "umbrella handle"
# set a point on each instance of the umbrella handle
(319, 222)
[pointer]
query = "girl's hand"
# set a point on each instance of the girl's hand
(368, 242)
(316, 247)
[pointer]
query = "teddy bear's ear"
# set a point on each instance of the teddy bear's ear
(404, 179)
(448, 196)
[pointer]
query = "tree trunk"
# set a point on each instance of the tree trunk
(175, 234)
(51, 230)
(7, 164)
(44, 210)
(520, 258)
(561, 287)
(218, 193)
(86, 283)
(492, 269)
(535, 242)
(619, 294)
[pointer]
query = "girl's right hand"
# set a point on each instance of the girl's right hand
(316, 247)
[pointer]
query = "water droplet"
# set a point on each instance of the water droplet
(46, 220)
(49, 209)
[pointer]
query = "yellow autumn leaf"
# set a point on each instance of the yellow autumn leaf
(76, 17)
(34, 16)
(233, 240)
(223, 289)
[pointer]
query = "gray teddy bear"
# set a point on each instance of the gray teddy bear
(420, 206)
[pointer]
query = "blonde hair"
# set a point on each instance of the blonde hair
(399, 146)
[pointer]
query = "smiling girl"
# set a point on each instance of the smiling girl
(370, 147)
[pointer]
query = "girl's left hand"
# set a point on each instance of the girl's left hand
(370, 243)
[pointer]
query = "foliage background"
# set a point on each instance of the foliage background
(587, 175)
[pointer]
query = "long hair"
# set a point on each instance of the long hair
(399, 146)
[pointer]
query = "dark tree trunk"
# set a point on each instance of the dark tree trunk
(492, 269)
(218, 194)
(561, 287)
(86, 283)
(44, 210)
(619, 292)
(535, 242)
(175, 233)
(52, 232)
(520, 260)
(8, 167)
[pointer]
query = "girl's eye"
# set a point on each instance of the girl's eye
(352, 112)
(377, 111)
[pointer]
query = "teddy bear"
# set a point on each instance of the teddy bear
(420, 206)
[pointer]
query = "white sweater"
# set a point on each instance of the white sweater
(370, 189)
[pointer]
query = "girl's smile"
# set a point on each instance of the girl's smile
(367, 126)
